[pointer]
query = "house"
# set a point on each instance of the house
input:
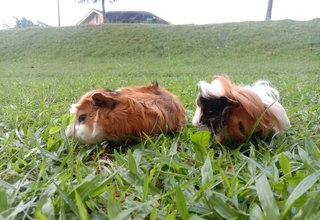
(94, 17)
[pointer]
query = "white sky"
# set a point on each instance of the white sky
(174, 11)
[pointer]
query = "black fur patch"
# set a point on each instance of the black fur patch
(215, 112)
(241, 128)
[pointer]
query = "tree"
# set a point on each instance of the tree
(103, 6)
(269, 10)
(23, 23)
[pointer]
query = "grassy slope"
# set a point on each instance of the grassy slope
(43, 70)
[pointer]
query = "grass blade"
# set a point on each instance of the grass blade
(145, 187)
(224, 209)
(256, 213)
(114, 207)
(65, 196)
(266, 198)
(206, 171)
(256, 124)
(308, 209)
(181, 204)
(312, 148)
(132, 164)
(300, 189)
(3, 201)
(285, 165)
(81, 207)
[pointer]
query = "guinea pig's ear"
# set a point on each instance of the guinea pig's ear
(103, 101)
(229, 102)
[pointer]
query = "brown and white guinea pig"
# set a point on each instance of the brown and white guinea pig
(231, 111)
(115, 116)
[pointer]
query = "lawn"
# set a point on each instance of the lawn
(186, 175)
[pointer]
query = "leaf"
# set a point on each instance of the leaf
(50, 143)
(266, 198)
(304, 156)
(3, 201)
(54, 130)
(81, 207)
(47, 154)
(40, 215)
(48, 209)
(173, 149)
(68, 200)
(225, 179)
(145, 187)
(123, 215)
(256, 164)
(87, 186)
(256, 213)
(153, 215)
(171, 216)
(66, 119)
(300, 189)
(223, 208)
(100, 188)
(206, 171)
(45, 209)
(285, 164)
(181, 204)
(200, 141)
(21, 207)
(312, 148)
(120, 160)
(132, 165)
(113, 207)
(308, 209)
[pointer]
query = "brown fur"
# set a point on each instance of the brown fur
(132, 111)
(247, 107)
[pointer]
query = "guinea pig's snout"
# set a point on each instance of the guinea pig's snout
(197, 116)
(70, 130)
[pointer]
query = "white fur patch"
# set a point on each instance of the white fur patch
(264, 88)
(214, 88)
(197, 116)
(95, 127)
(270, 97)
(84, 134)
(218, 89)
(207, 90)
(73, 109)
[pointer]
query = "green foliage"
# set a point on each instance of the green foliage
(23, 23)
(186, 175)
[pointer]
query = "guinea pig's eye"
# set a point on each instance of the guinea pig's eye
(209, 112)
(82, 117)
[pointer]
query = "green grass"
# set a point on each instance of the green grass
(182, 176)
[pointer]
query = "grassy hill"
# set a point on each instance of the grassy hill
(244, 43)
(272, 40)
(43, 71)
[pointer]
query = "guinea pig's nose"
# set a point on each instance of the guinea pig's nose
(202, 127)
(69, 131)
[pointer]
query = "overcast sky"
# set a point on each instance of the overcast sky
(174, 11)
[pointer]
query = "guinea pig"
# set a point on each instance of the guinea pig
(232, 111)
(116, 116)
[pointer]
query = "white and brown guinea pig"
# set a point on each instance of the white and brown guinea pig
(231, 111)
(103, 114)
